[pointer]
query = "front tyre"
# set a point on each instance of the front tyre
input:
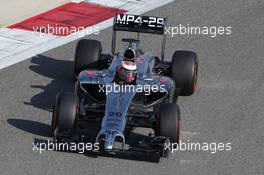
(65, 112)
(168, 124)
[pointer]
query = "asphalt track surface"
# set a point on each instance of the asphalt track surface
(227, 106)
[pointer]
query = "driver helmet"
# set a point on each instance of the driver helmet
(130, 55)
(126, 72)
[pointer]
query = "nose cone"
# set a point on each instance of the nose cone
(109, 138)
(109, 146)
(109, 141)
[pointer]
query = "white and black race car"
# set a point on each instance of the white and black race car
(127, 89)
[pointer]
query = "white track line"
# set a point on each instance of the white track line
(188, 133)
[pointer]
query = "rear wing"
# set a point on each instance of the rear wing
(139, 24)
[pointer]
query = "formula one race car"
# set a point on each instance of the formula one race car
(127, 89)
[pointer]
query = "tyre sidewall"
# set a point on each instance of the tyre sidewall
(184, 69)
(65, 111)
(169, 121)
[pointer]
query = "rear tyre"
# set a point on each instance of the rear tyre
(169, 122)
(184, 69)
(87, 55)
(65, 112)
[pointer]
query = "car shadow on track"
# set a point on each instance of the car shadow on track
(61, 74)
(32, 127)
